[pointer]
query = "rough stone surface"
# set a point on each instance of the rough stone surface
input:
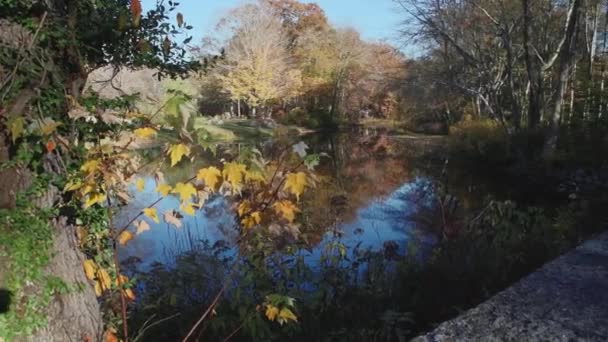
(565, 300)
(110, 85)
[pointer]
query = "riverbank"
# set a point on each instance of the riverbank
(565, 300)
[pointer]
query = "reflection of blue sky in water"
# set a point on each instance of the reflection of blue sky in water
(163, 241)
(382, 219)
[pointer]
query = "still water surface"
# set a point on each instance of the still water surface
(369, 197)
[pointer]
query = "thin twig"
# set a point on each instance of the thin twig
(123, 302)
(126, 226)
(143, 330)
(235, 331)
(206, 313)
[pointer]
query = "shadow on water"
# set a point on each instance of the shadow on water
(5, 300)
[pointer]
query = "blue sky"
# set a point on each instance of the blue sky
(375, 19)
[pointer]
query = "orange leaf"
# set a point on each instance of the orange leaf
(50, 146)
(136, 11)
(125, 237)
(110, 337)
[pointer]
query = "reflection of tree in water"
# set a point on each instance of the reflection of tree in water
(361, 168)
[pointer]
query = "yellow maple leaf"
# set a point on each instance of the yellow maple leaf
(140, 184)
(295, 183)
(151, 213)
(49, 126)
(251, 220)
(94, 198)
(16, 128)
(90, 166)
(187, 209)
(87, 189)
(164, 189)
(185, 191)
(255, 176)
(98, 291)
(72, 185)
(177, 152)
(125, 237)
(286, 209)
(210, 175)
(121, 280)
(234, 173)
(243, 208)
(271, 312)
(145, 132)
(104, 279)
(286, 315)
(90, 268)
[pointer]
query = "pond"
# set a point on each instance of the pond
(376, 203)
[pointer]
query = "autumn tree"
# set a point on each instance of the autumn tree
(257, 68)
(516, 62)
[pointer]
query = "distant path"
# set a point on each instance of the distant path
(565, 300)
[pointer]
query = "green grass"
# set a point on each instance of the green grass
(25, 250)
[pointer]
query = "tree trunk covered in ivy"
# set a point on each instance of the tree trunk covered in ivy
(76, 315)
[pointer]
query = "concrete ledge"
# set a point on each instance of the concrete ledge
(565, 300)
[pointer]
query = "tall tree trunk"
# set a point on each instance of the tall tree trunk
(566, 60)
(533, 71)
(515, 109)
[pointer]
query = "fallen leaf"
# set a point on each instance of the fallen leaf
(111, 118)
(145, 132)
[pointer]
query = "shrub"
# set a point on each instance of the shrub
(480, 139)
